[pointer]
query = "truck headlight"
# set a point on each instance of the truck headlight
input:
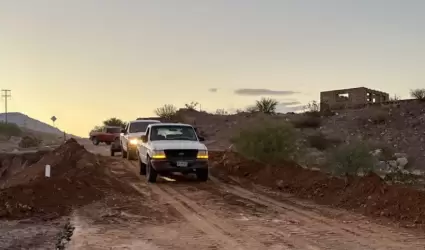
(202, 154)
(158, 154)
(133, 141)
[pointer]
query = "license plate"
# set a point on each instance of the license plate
(181, 164)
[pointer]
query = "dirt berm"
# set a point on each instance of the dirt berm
(77, 178)
(369, 195)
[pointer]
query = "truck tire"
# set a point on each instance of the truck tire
(202, 174)
(130, 154)
(142, 166)
(95, 141)
(123, 153)
(112, 152)
(151, 173)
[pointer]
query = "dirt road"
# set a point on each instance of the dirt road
(180, 213)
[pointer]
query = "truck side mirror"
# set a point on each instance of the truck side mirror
(144, 138)
(123, 131)
(201, 138)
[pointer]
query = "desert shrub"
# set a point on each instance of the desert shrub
(251, 109)
(418, 94)
(319, 141)
(191, 105)
(10, 129)
(307, 121)
(374, 116)
(351, 158)
(269, 143)
(221, 112)
(168, 111)
(29, 141)
(266, 105)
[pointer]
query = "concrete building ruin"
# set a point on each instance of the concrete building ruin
(351, 98)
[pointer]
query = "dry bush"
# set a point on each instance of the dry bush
(374, 116)
(351, 158)
(269, 143)
(307, 121)
(266, 105)
(29, 142)
(9, 129)
(319, 141)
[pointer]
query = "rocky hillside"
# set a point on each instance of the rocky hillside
(397, 129)
(27, 122)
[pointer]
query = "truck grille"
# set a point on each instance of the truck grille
(181, 154)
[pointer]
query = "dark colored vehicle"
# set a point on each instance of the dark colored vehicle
(106, 135)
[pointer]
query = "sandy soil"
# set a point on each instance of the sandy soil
(180, 213)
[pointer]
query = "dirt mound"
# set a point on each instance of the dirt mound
(13, 163)
(369, 195)
(77, 178)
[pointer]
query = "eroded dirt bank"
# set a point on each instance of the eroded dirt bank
(369, 195)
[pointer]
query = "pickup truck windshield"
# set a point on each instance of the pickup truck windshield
(137, 127)
(173, 133)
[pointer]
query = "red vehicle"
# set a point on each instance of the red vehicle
(106, 135)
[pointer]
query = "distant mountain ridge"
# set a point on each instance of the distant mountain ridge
(25, 121)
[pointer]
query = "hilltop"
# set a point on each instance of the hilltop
(27, 122)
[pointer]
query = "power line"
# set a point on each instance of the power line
(6, 94)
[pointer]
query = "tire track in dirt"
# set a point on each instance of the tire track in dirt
(283, 240)
(196, 220)
(368, 239)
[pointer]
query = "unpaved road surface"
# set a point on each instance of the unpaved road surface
(180, 213)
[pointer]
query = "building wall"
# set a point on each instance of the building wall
(349, 98)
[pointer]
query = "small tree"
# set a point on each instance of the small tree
(312, 106)
(114, 122)
(418, 94)
(221, 112)
(191, 105)
(168, 111)
(266, 105)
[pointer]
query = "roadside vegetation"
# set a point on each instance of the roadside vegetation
(270, 143)
(10, 129)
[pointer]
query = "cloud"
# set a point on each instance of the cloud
(256, 92)
(289, 103)
(213, 90)
(289, 106)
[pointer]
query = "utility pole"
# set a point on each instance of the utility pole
(5, 93)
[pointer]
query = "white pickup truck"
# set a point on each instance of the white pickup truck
(130, 136)
(172, 147)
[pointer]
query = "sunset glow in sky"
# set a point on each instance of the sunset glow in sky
(87, 60)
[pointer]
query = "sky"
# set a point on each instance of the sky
(84, 61)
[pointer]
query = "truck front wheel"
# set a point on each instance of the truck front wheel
(95, 141)
(151, 173)
(123, 152)
(202, 174)
(142, 166)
